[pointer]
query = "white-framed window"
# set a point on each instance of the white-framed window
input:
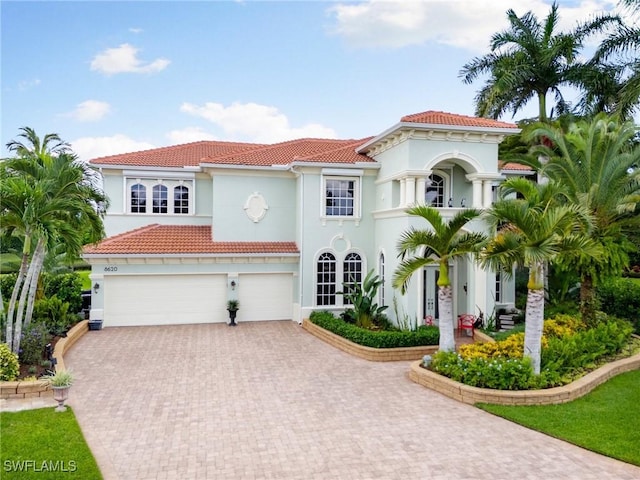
(335, 273)
(341, 196)
(498, 286)
(436, 192)
(157, 193)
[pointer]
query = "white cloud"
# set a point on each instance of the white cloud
(90, 111)
(466, 24)
(93, 147)
(255, 123)
(27, 84)
(188, 135)
(136, 30)
(123, 59)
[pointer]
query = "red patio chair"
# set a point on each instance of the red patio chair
(466, 322)
(429, 320)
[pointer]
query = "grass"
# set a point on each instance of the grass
(43, 444)
(606, 420)
(84, 275)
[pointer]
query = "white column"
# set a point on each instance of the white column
(410, 190)
(477, 193)
(403, 192)
(487, 193)
(479, 282)
(421, 185)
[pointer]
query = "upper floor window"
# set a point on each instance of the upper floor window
(154, 192)
(435, 193)
(160, 199)
(180, 199)
(138, 198)
(341, 196)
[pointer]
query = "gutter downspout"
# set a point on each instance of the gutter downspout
(299, 174)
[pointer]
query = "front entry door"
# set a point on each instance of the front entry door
(430, 292)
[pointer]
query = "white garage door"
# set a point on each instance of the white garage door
(266, 296)
(164, 299)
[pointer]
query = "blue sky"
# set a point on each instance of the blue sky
(111, 77)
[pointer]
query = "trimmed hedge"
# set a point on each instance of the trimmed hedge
(423, 336)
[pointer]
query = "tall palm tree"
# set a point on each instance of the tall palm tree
(49, 198)
(531, 231)
(598, 164)
(529, 59)
(618, 55)
(443, 243)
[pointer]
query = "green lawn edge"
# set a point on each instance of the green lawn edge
(605, 421)
(43, 444)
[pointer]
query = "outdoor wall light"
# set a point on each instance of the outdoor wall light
(464, 287)
(96, 287)
(233, 284)
(450, 204)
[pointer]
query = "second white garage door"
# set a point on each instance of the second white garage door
(266, 296)
(164, 299)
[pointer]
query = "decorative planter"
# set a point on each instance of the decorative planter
(95, 324)
(60, 395)
(232, 317)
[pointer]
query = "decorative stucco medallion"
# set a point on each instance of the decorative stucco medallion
(256, 207)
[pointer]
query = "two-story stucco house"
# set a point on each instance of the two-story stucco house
(281, 227)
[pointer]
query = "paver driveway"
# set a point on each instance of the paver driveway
(269, 401)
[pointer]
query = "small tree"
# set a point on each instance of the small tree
(362, 297)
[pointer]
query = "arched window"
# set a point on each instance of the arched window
(138, 198)
(434, 195)
(351, 273)
(181, 199)
(326, 280)
(381, 275)
(160, 199)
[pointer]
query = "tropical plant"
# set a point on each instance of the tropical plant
(233, 305)
(362, 297)
(530, 59)
(597, 163)
(60, 378)
(531, 231)
(445, 242)
(50, 199)
(9, 366)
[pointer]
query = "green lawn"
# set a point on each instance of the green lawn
(84, 275)
(607, 420)
(42, 444)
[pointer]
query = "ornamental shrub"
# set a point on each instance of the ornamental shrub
(621, 297)
(67, 287)
(55, 314)
(34, 338)
(9, 366)
(424, 335)
(498, 373)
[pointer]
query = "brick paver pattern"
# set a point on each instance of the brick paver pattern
(267, 400)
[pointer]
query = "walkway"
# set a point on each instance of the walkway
(270, 401)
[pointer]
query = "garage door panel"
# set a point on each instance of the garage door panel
(164, 299)
(265, 297)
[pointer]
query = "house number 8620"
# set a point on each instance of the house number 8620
(111, 269)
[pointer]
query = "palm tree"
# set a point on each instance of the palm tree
(620, 93)
(527, 60)
(443, 243)
(531, 231)
(50, 199)
(598, 164)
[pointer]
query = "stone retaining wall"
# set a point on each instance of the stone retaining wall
(368, 353)
(471, 395)
(41, 388)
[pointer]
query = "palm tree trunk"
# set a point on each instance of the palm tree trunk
(534, 317)
(587, 301)
(23, 299)
(38, 261)
(14, 298)
(445, 320)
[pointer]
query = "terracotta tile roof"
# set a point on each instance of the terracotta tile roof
(188, 154)
(513, 166)
(301, 150)
(181, 239)
(444, 118)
